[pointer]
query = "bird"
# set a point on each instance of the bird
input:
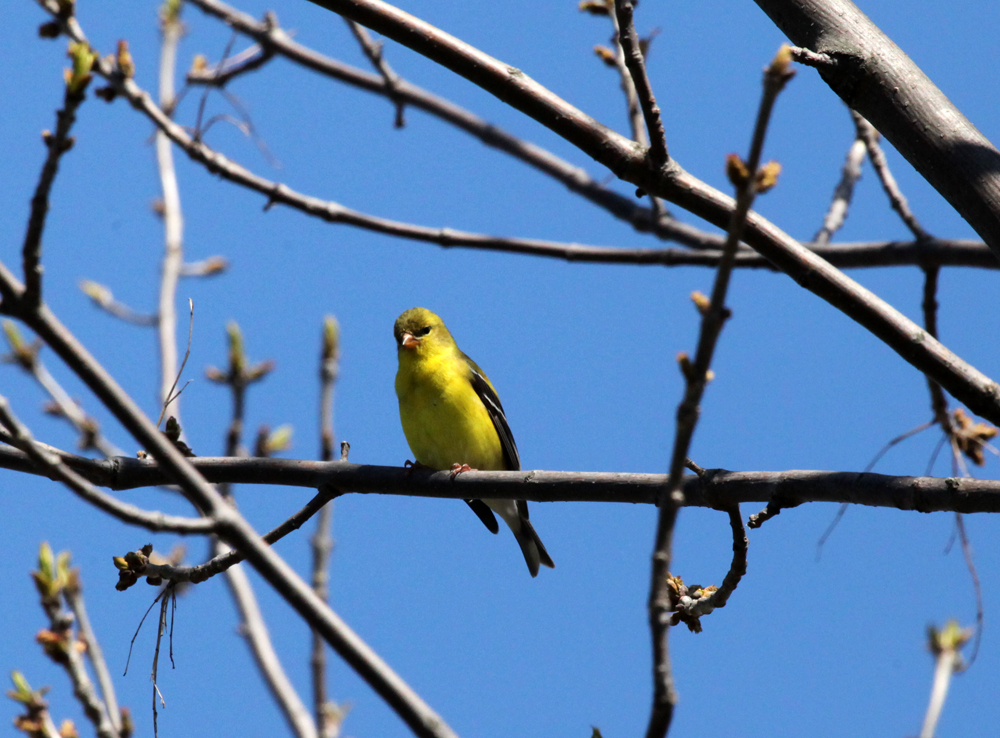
(452, 419)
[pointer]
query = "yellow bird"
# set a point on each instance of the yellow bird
(453, 419)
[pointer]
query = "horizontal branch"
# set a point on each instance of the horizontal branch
(717, 489)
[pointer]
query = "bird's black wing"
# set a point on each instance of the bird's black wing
(512, 461)
(483, 511)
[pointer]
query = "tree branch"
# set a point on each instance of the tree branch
(629, 41)
(643, 219)
(171, 30)
(842, 194)
(868, 134)
(57, 143)
(878, 80)
(717, 489)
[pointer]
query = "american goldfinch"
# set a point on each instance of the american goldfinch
(453, 419)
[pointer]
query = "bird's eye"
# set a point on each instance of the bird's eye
(422, 331)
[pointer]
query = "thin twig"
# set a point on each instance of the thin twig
(231, 67)
(254, 630)
(843, 193)
(977, 588)
(322, 540)
(224, 562)
(632, 52)
(867, 133)
(57, 143)
(73, 595)
(171, 396)
(689, 608)
(373, 50)
(26, 356)
(871, 465)
(173, 221)
(103, 298)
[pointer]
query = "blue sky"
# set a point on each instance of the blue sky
(582, 355)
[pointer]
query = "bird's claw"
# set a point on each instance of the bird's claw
(457, 469)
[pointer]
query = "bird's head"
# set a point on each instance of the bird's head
(418, 329)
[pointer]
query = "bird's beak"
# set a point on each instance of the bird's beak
(410, 341)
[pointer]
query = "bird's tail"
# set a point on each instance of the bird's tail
(532, 547)
(515, 514)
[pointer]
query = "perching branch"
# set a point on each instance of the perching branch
(717, 489)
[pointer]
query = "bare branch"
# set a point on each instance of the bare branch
(26, 356)
(322, 540)
(843, 193)
(248, 60)
(717, 489)
(60, 641)
(55, 467)
(632, 52)
(868, 134)
(643, 219)
(373, 50)
(877, 79)
(939, 403)
(103, 298)
(690, 608)
(57, 143)
(747, 179)
(254, 630)
(73, 594)
(171, 30)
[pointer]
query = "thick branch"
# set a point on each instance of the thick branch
(877, 79)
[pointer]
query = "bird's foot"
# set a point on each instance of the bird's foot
(457, 469)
